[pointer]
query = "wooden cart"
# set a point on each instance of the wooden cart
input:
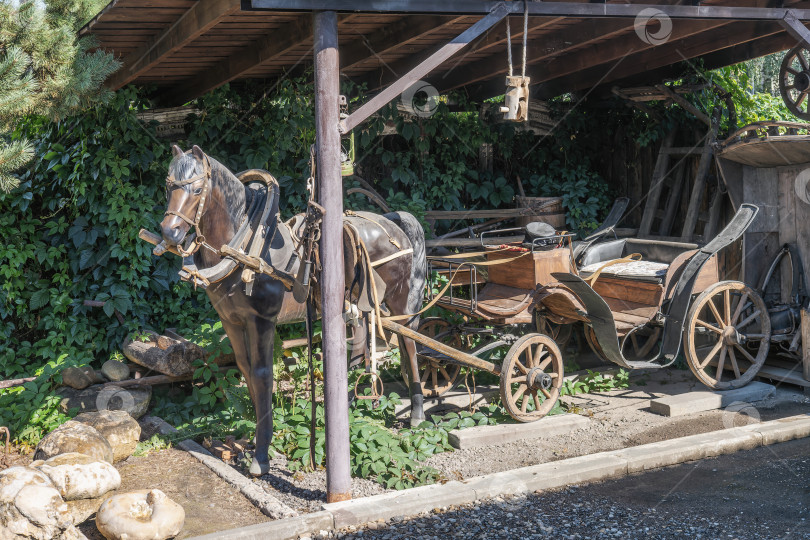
(640, 302)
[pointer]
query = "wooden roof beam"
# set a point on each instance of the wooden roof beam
(674, 52)
(547, 46)
(392, 36)
(200, 18)
(560, 9)
(493, 38)
(269, 47)
(621, 49)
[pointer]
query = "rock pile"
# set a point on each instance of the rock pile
(71, 480)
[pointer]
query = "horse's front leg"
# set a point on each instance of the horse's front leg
(259, 337)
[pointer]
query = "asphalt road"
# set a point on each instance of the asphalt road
(756, 494)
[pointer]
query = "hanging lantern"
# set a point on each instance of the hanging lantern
(347, 154)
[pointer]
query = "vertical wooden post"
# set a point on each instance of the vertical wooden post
(806, 344)
(330, 194)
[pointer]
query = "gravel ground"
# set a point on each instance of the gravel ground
(619, 419)
(757, 494)
(307, 492)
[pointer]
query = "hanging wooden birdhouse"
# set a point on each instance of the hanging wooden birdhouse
(516, 99)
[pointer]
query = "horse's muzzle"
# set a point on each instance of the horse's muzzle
(174, 230)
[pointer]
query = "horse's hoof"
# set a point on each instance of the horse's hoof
(415, 421)
(259, 469)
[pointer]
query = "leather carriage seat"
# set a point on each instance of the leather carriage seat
(656, 256)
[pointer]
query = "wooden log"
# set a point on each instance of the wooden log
(174, 358)
(151, 381)
(10, 383)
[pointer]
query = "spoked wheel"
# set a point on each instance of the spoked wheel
(436, 376)
(560, 333)
(794, 81)
(590, 339)
(531, 377)
(641, 343)
(727, 335)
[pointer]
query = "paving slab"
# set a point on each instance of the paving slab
(399, 503)
(550, 426)
(695, 402)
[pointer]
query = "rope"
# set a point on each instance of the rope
(525, 34)
(509, 45)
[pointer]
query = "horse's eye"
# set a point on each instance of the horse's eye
(198, 191)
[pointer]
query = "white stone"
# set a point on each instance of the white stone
(74, 436)
(118, 427)
(140, 515)
(78, 476)
(30, 507)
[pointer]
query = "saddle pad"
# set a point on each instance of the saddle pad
(634, 270)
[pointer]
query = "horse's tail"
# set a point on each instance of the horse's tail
(416, 234)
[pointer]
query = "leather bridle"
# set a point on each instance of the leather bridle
(199, 239)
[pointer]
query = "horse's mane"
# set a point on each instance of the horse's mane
(233, 191)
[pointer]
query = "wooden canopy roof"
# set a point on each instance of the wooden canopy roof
(188, 47)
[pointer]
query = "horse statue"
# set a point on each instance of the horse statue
(237, 227)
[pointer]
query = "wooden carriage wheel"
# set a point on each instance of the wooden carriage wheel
(794, 81)
(436, 376)
(727, 335)
(590, 339)
(531, 377)
(560, 333)
(640, 342)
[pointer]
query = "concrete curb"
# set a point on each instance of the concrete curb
(583, 469)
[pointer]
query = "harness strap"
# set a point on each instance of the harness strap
(391, 257)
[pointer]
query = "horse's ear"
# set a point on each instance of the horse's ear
(176, 151)
(197, 152)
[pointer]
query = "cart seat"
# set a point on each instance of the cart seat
(656, 257)
(647, 271)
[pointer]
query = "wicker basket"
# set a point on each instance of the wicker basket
(548, 210)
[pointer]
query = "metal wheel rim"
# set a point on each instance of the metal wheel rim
(639, 344)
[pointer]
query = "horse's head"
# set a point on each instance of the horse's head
(188, 187)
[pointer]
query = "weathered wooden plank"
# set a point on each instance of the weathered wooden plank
(654, 194)
(787, 224)
(699, 186)
(190, 25)
(805, 329)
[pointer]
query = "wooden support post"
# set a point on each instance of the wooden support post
(654, 195)
(699, 186)
(806, 344)
(329, 189)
